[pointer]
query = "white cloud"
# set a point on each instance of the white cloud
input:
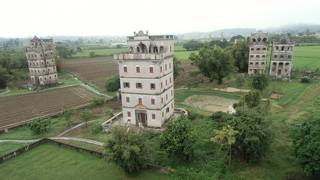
(122, 17)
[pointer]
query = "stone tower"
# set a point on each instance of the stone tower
(41, 62)
(146, 77)
(282, 56)
(258, 53)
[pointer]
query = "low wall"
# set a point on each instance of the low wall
(30, 146)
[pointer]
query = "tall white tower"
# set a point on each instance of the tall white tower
(146, 77)
(41, 62)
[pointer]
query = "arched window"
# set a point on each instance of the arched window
(264, 40)
(161, 49)
(282, 48)
(254, 40)
(155, 49)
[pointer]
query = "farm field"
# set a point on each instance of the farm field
(93, 70)
(306, 57)
(49, 161)
(17, 109)
(99, 51)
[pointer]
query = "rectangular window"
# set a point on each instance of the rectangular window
(162, 100)
(152, 86)
(161, 85)
(138, 69)
(160, 68)
(126, 85)
(151, 69)
(152, 101)
(165, 67)
(125, 69)
(153, 116)
(140, 100)
(127, 99)
(167, 110)
(139, 85)
(129, 114)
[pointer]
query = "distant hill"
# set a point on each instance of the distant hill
(228, 33)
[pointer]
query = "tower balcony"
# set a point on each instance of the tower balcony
(142, 56)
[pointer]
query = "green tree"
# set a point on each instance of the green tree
(252, 99)
(254, 137)
(177, 140)
(306, 141)
(113, 84)
(225, 136)
(64, 51)
(219, 43)
(92, 54)
(176, 67)
(4, 77)
(192, 45)
(40, 126)
(259, 82)
(85, 116)
(67, 116)
(128, 149)
(214, 63)
(240, 54)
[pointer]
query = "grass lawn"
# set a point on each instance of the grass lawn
(50, 161)
(9, 147)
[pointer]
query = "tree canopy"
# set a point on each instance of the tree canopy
(178, 140)
(240, 54)
(213, 62)
(128, 149)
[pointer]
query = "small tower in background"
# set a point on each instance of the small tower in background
(258, 50)
(281, 59)
(41, 62)
(146, 77)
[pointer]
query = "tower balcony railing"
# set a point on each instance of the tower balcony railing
(142, 56)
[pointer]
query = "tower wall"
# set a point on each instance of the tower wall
(146, 77)
(258, 51)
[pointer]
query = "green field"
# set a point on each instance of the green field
(8, 147)
(306, 57)
(50, 161)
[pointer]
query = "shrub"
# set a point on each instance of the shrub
(85, 116)
(97, 102)
(92, 54)
(259, 82)
(305, 79)
(254, 137)
(113, 84)
(252, 99)
(306, 141)
(178, 139)
(40, 126)
(96, 128)
(128, 149)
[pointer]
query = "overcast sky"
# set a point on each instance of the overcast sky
(20, 18)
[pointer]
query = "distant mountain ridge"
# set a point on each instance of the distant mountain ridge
(228, 33)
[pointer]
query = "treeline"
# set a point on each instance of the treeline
(12, 64)
(218, 58)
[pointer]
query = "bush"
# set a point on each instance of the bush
(259, 82)
(97, 102)
(40, 126)
(96, 128)
(252, 99)
(178, 139)
(254, 135)
(85, 116)
(92, 54)
(128, 149)
(306, 141)
(113, 84)
(305, 79)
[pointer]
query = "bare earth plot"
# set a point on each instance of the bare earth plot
(15, 110)
(210, 103)
(96, 70)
